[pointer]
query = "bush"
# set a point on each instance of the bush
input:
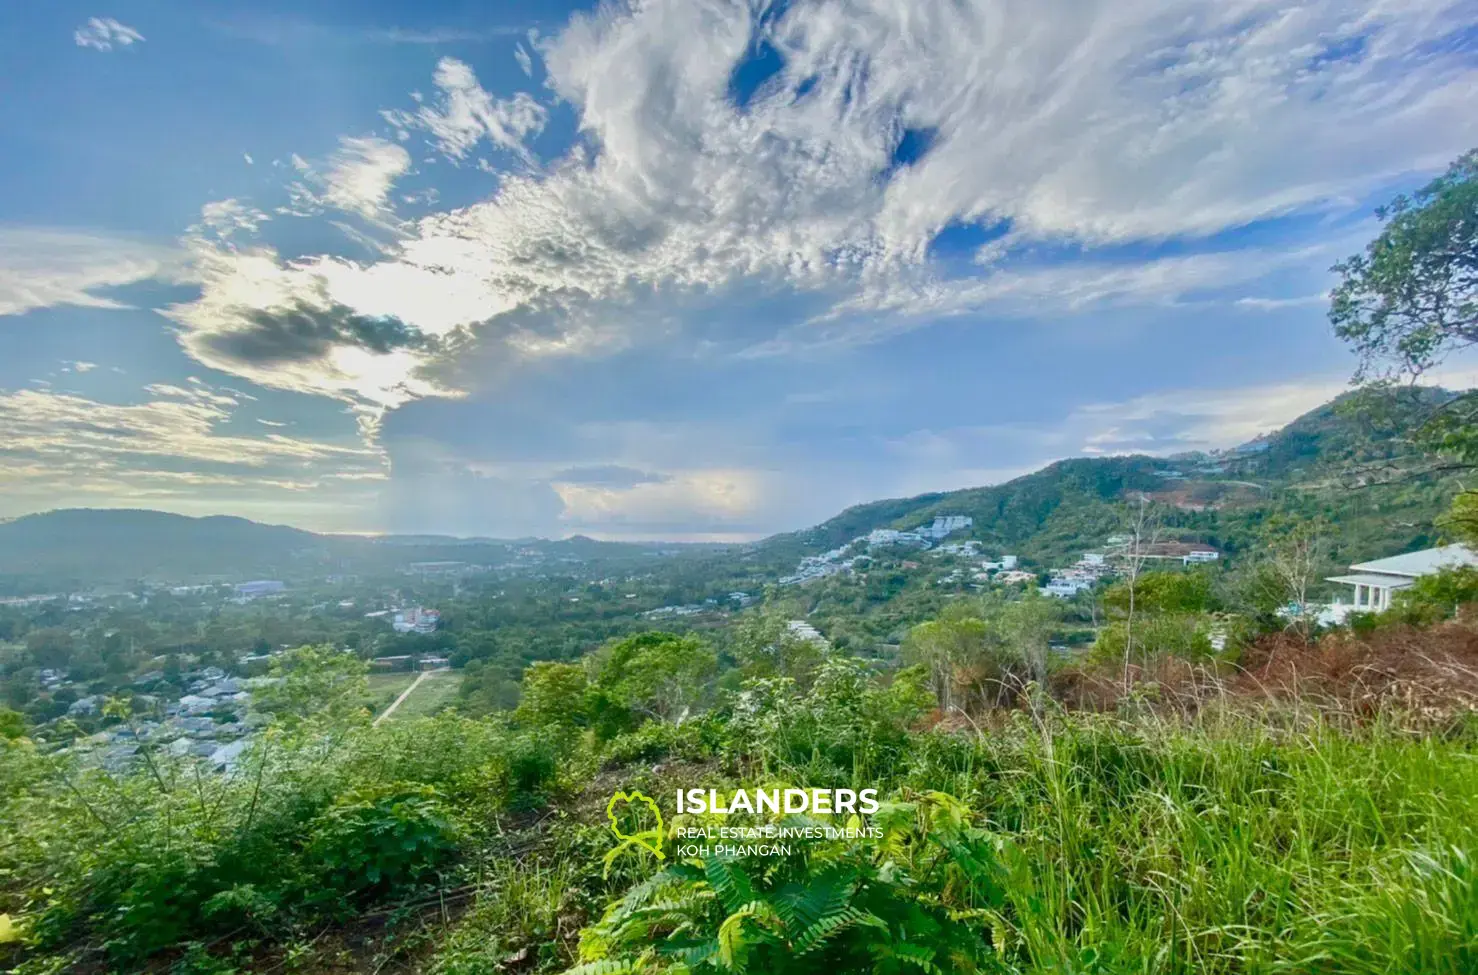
(375, 838)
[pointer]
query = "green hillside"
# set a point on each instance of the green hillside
(1341, 461)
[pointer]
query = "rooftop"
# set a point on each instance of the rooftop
(1421, 563)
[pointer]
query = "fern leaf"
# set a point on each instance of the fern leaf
(730, 881)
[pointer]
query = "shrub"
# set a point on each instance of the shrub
(377, 837)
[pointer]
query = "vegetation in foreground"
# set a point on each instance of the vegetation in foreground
(1247, 833)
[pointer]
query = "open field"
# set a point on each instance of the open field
(437, 690)
(385, 688)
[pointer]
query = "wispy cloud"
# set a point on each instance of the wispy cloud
(288, 31)
(62, 448)
(362, 173)
(42, 267)
(104, 33)
(464, 114)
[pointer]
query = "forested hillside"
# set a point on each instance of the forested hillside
(1350, 461)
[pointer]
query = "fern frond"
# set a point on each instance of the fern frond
(607, 967)
(731, 934)
(828, 927)
(730, 881)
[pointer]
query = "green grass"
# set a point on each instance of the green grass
(436, 691)
(385, 688)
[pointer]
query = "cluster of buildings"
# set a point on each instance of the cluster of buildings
(211, 722)
(415, 620)
(1186, 553)
(1001, 570)
(837, 560)
(740, 600)
(411, 620)
(410, 661)
(806, 633)
(258, 588)
(1081, 576)
(443, 570)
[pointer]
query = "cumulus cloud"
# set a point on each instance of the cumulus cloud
(822, 148)
(608, 476)
(692, 502)
(464, 114)
(42, 268)
(103, 33)
(1124, 122)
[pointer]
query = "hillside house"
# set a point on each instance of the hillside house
(1374, 583)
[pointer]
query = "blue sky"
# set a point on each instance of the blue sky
(695, 269)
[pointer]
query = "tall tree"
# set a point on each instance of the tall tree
(1412, 298)
(1410, 301)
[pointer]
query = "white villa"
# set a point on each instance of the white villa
(1375, 582)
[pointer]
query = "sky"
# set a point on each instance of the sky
(680, 269)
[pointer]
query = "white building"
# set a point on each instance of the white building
(944, 525)
(259, 587)
(1375, 582)
(416, 620)
(1066, 588)
(805, 632)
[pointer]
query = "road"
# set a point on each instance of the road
(404, 694)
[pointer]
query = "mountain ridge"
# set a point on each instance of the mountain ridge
(1045, 513)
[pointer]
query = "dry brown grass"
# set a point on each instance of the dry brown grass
(1427, 675)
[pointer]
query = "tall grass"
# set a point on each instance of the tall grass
(1227, 845)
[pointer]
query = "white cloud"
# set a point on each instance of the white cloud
(321, 326)
(714, 498)
(102, 33)
(1084, 123)
(465, 114)
(225, 218)
(362, 172)
(69, 433)
(174, 449)
(42, 268)
(1199, 419)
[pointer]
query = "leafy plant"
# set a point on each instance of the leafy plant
(909, 902)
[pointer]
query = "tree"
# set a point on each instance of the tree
(51, 647)
(1411, 300)
(660, 674)
(1027, 626)
(317, 683)
(944, 647)
(1294, 556)
(1144, 531)
(765, 647)
(12, 723)
(1412, 297)
(553, 694)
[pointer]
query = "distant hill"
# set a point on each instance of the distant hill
(82, 548)
(88, 546)
(1220, 498)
